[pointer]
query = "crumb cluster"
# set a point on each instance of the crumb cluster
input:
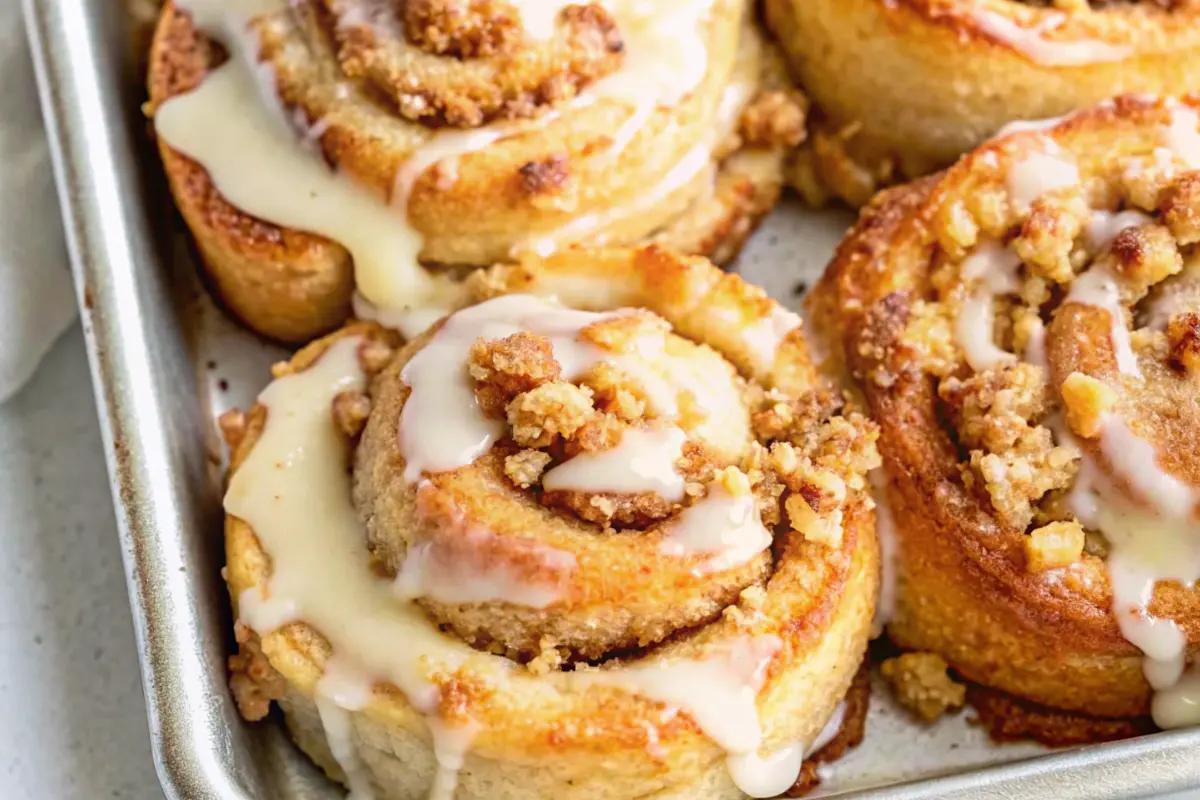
(808, 454)
(818, 451)
(254, 682)
(830, 165)
(465, 63)
(774, 118)
(921, 683)
(461, 29)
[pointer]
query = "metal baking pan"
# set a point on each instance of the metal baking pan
(165, 361)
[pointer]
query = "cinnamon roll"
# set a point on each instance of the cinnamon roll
(320, 145)
(599, 532)
(1022, 328)
(906, 86)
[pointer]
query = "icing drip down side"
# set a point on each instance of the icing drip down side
(236, 127)
(1073, 309)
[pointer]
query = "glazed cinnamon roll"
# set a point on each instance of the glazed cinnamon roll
(906, 86)
(318, 145)
(599, 532)
(1022, 327)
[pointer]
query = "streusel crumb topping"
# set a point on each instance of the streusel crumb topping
(1048, 314)
(801, 460)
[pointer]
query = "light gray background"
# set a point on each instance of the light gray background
(72, 719)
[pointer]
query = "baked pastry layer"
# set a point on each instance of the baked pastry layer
(906, 86)
(1019, 326)
(491, 131)
(468, 629)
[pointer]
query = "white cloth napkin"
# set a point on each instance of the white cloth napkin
(37, 302)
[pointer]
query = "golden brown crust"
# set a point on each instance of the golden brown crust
(1008, 718)
(517, 193)
(287, 284)
(973, 585)
(816, 599)
(849, 736)
(876, 71)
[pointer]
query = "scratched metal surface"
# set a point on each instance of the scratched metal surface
(154, 338)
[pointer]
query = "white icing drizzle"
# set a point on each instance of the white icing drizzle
(727, 526)
(445, 569)
(410, 322)
(719, 691)
(1104, 226)
(1178, 706)
(339, 733)
(665, 58)
(1146, 546)
(1182, 136)
(1137, 461)
(442, 388)
(444, 147)
(340, 690)
(1041, 171)
(373, 15)
(889, 553)
(1098, 288)
(770, 775)
(765, 337)
(591, 227)
(294, 491)
(1163, 161)
(238, 133)
(234, 125)
(539, 18)
(665, 52)
(994, 267)
(345, 684)
(1029, 126)
(643, 461)
(450, 746)
(228, 16)
(829, 731)
(425, 573)
(1181, 142)
(1035, 347)
(1033, 44)
(774, 774)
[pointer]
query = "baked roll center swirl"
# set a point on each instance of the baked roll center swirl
(683, 614)
(559, 456)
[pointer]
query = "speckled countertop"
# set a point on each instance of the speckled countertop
(72, 720)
